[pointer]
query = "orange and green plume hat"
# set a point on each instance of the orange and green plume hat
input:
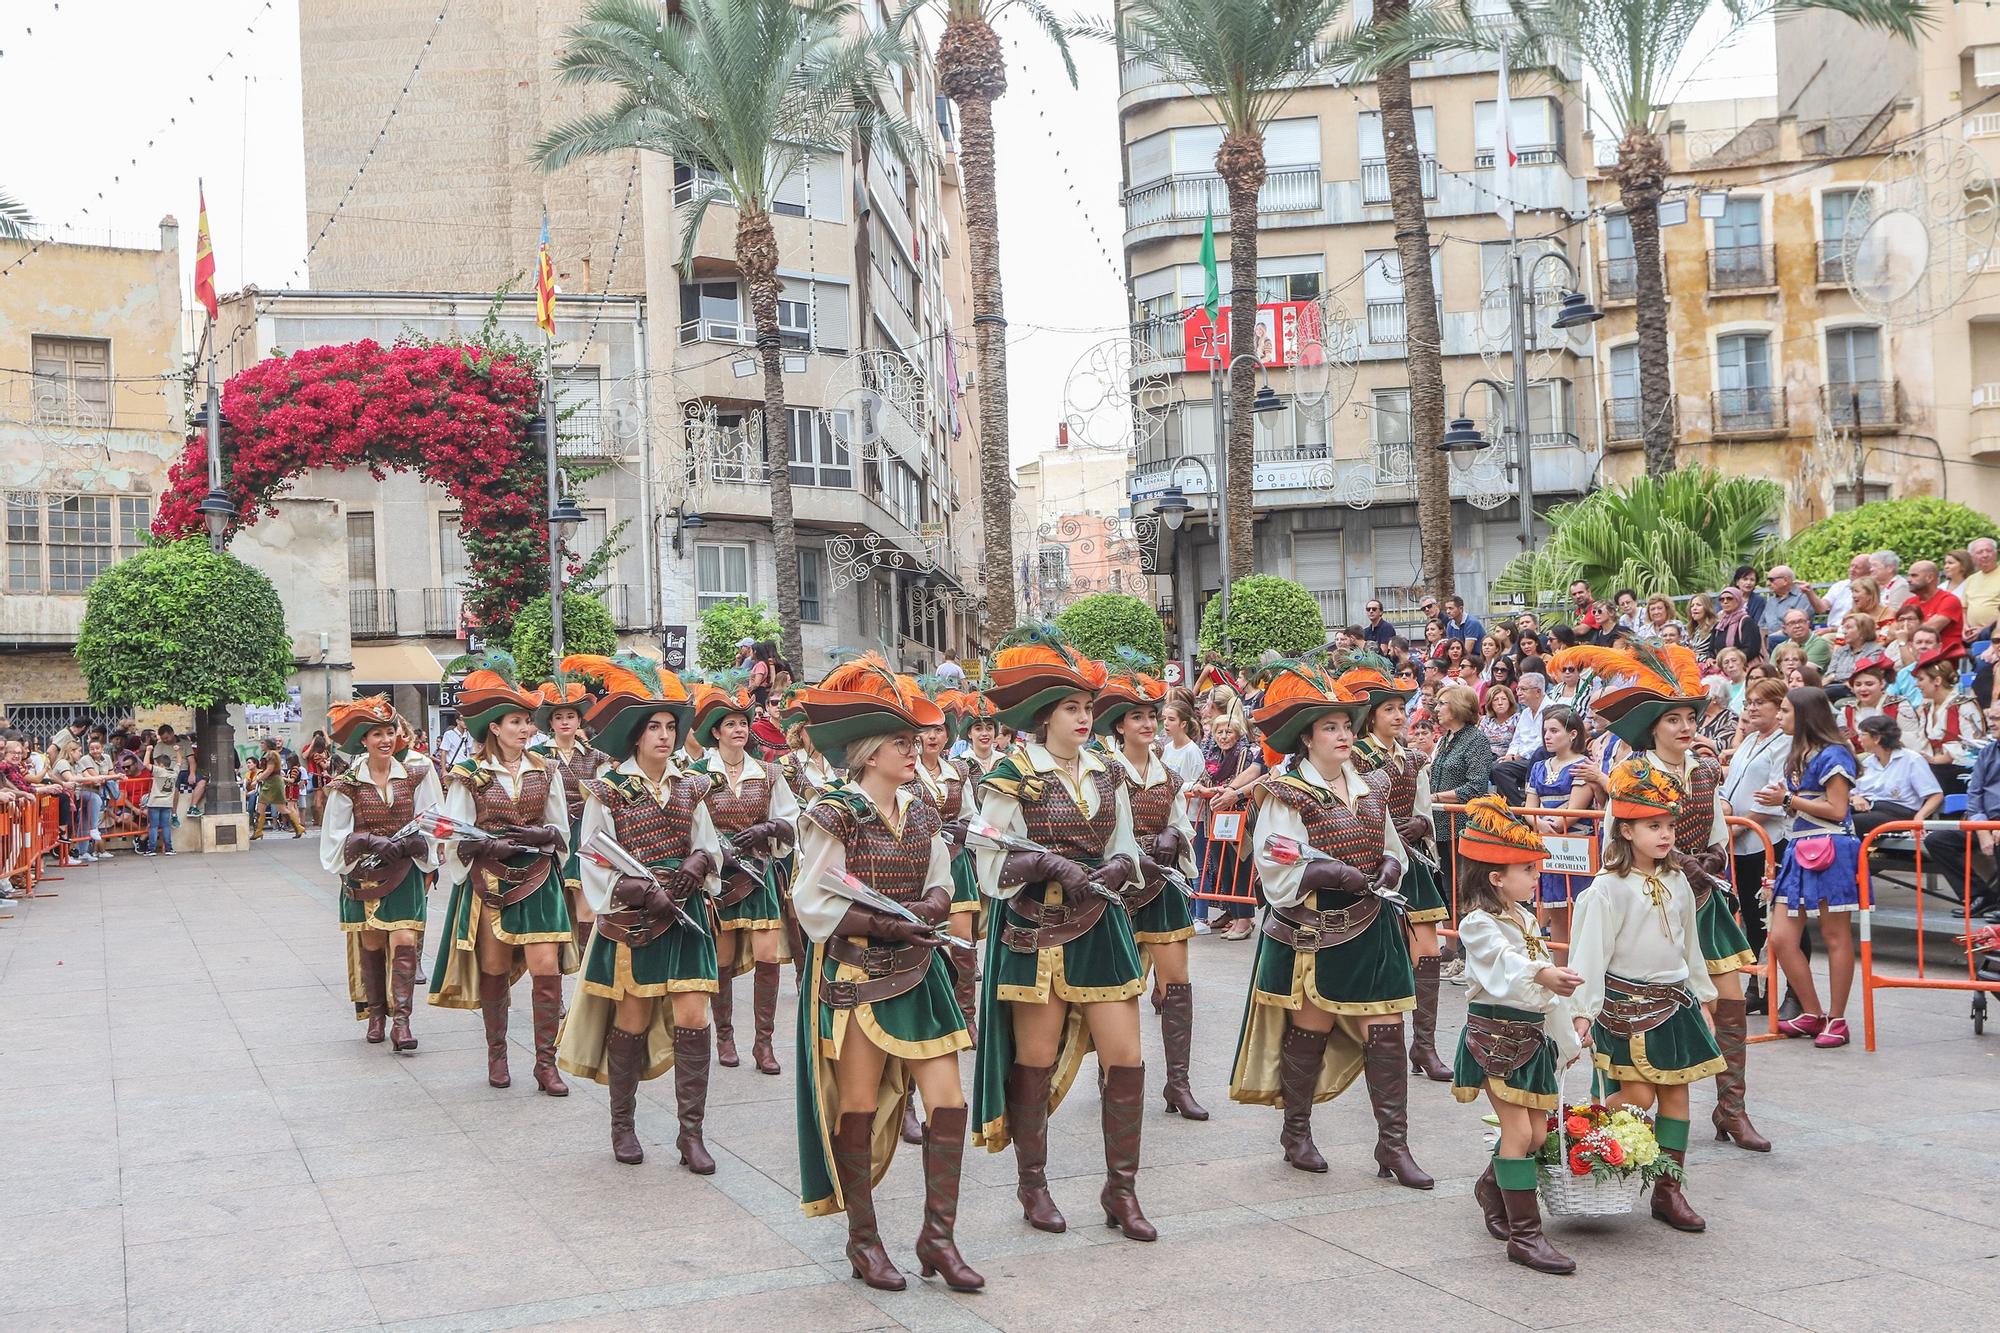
(1647, 681)
(862, 699)
(632, 689)
(1122, 692)
(349, 723)
(1639, 790)
(723, 696)
(558, 694)
(1033, 669)
(491, 690)
(1496, 835)
(1298, 695)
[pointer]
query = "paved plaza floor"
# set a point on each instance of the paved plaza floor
(193, 1135)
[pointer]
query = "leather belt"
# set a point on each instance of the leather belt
(739, 880)
(1149, 889)
(893, 969)
(1502, 1045)
(500, 884)
(367, 886)
(1309, 931)
(631, 927)
(1633, 1007)
(1054, 924)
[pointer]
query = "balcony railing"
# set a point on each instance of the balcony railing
(1736, 267)
(441, 610)
(1754, 411)
(740, 332)
(1286, 190)
(1388, 322)
(588, 433)
(1623, 419)
(1620, 279)
(620, 600)
(371, 613)
(1540, 155)
(1375, 178)
(1332, 605)
(1862, 402)
(1827, 262)
(1161, 338)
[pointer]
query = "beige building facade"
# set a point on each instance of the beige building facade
(1073, 530)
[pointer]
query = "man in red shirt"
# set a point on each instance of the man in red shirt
(1942, 611)
(1585, 609)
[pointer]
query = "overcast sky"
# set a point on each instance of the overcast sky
(86, 84)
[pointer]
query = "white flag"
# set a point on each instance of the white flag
(1504, 156)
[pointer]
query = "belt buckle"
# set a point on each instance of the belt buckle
(1305, 937)
(1056, 915)
(878, 960)
(839, 994)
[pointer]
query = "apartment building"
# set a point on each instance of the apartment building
(1073, 529)
(875, 275)
(1335, 477)
(91, 417)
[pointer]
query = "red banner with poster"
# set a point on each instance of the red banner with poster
(1287, 335)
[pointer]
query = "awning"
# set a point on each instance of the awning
(395, 664)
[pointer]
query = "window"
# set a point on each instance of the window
(1395, 454)
(361, 550)
(1375, 161)
(1744, 398)
(1052, 567)
(1538, 130)
(712, 312)
(1382, 290)
(812, 567)
(24, 541)
(1618, 236)
(1622, 412)
(451, 551)
(80, 541)
(820, 455)
(60, 543)
(1289, 279)
(814, 189)
(1856, 393)
(721, 574)
(1738, 258)
(135, 521)
(895, 270)
(72, 380)
(1835, 206)
(802, 304)
(1621, 269)
(900, 493)
(690, 179)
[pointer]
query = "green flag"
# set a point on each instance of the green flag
(1212, 289)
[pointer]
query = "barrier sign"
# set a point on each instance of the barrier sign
(1570, 854)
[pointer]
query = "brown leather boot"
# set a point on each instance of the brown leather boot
(547, 994)
(402, 980)
(1389, 1094)
(764, 998)
(1526, 1245)
(1670, 1204)
(1028, 1122)
(493, 1008)
(723, 1003)
(1423, 1025)
(625, 1061)
(1299, 1057)
(965, 987)
(1487, 1191)
(1731, 1117)
(854, 1164)
(691, 1095)
(944, 1160)
(1177, 1035)
(1124, 1114)
(912, 1128)
(374, 986)
(579, 934)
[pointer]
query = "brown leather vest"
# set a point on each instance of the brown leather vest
(583, 764)
(1058, 823)
(1696, 819)
(494, 810)
(736, 810)
(654, 833)
(1395, 775)
(1352, 836)
(892, 864)
(1153, 806)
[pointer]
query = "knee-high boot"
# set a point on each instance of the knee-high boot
(1177, 1035)
(1526, 1245)
(1028, 1120)
(625, 1061)
(402, 980)
(723, 1002)
(374, 986)
(547, 995)
(944, 1161)
(1423, 1024)
(691, 1096)
(1124, 1113)
(1670, 1203)
(965, 987)
(1389, 1093)
(1732, 1117)
(493, 1009)
(854, 1164)
(1299, 1056)
(764, 1001)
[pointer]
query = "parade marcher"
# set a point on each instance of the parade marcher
(641, 1006)
(382, 869)
(878, 1015)
(1333, 977)
(757, 817)
(946, 785)
(982, 733)
(1518, 1023)
(804, 768)
(1636, 942)
(559, 715)
(1063, 973)
(507, 913)
(1384, 760)
(1127, 716)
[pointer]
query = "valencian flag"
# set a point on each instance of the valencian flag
(545, 285)
(204, 261)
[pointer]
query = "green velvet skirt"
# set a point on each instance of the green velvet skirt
(1370, 974)
(1425, 892)
(1723, 942)
(1532, 1085)
(682, 959)
(540, 918)
(1680, 1050)
(572, 866)
(402, 908)
(1169, 917)
(763, 909)
(964, 882)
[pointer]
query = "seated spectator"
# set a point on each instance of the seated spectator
(1979, 591)
(1735, 669)
(1718, 725)
(1857, 640)
(1625, 603)
(1745, 581)
(1510, 773)
(1785, 594)
(1657, 619)
(1894, 783)
(1735, 627)
(1840, 597)
(1797, 629)
(1699, 635)
(1945, 849)
(1528, 654)
(1496, 718)
(1956, 568)
(1884, 567)
(1941, 611)
(1923, 643)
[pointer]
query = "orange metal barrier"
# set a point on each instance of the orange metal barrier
(28, 837)
(125, 808)
(1871, 980)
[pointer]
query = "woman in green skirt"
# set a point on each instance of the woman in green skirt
(642, 1007)
(1518, 1024)
(1332, 977)
(383, 869)
(1399, 774)
(1636, 943)
(507, 913)
(1127, 716)
(1063, 973)
(559, 716)
(879, 1014)
(755, 812)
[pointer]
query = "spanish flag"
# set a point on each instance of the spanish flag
(545, 283)
(204, 261)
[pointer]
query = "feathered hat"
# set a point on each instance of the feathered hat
(350, 723)
(1496, 835)
(631, 689)
(973, 708)
(1647, 681)
(491, 690)
(558, 694)
(721, 695)
(1130, 681)
(789, 708)
(1641, 791)
(862, 699)
(1372, 675)
(1298, 696)
(1033, 668)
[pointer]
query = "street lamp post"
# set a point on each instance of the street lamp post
(564, 519)
(1264, 401)
(1576, 309)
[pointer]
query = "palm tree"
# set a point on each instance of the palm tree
(14, 218)
(972, 72)
(1636, 50)
(1246, 58)
(751, 90)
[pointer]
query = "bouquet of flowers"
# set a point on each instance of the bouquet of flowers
(1597, 1159)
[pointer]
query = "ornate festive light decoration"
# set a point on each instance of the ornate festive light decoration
(1118, 394)
(881, 398)
(1920, 231)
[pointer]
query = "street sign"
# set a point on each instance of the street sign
(1570, 854)
(674, 648)
(1174, 673)
(474, 642)
(1151, 486)
(448, 693)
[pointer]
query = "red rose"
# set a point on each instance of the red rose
(1614, 1153)
(1577, 1126)
(1578, 1164)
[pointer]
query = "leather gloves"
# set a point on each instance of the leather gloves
(540, 835)
(934, 906)
(356, 846)
(1166, 848)
(691, 874)
(954, 831)
(875, 925)
(1386, 875)
(1114, 873)
(411, 846)
(759, 837)
(500, 849)
(1040, 867)
(1414, 829)
(1333, 876)
(645, 895)
(1149, 869)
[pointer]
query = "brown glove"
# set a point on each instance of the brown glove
(411, 846)
(934, 906)
(1387, 874)
(1114, 873)
(535, 835)
(1167, 847)
(759, 837)
(691, 874)
(1416, 828)
(357, 846)
(1041, 867)
(646, 895)
(1333, 877)
(500, 849)
(954, 831)
(875, 925)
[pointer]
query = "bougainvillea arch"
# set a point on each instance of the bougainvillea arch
(457, 415)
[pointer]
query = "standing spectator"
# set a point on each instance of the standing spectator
(1942, 612)
(1433, 636)
(760, 672)
(1377, 633)
(1883, 566)
(1582, 610)
(1745, 581)
(1229, 765)
(1461, 763)
(1840, 597)
(949, 668)
(454, 745)
(1786, 595)
(1797, 629)
(1458, 626)
(1821, 867)
(1552, 784)
(1894, 783)
(1757, 762)
(159, 839)
(1949, 728)
(1510, 774)
(1946, 848)
(1979, 592)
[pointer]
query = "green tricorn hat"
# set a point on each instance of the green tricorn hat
(862, 699)
(491, 690)
(635, 689)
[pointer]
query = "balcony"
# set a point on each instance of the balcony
(1983, 125)
(1829, 265)
(1388, 323)
(371, 613)
(1536, 156)
(589, 433)
(1332, 606)
(1375, 178)
(442, 607)
(1985, 432)
(622, 601)
(1623, 420)
(1182, 198)
(1862, 404)
(1741, 268)
(1750, 412)
(1159, 344)
(1618, 279)
(739, 332)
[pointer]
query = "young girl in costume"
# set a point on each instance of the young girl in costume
(1518, 1026)
(982, 733)
(879, 1013)
(1636, 942)
(559, 715)
(1821, 871)
(642, 1006)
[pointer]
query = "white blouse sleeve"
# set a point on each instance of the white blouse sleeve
(598, 880)
(1003, 812)
(705, 837)
(937, 873)
(555, 810)
(1177, 818)
(427, 797)
(1500, 968)
(819, 910)
(458, 803)
(1593, 932)
(1123, 842)
(336, 826)
(784, 805)
(1283, 884)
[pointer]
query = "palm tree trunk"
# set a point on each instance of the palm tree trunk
(757, 253)
(973, 73)
(1424, 345)
(1641, 173)
(1240, 161)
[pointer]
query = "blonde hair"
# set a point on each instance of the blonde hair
(1230, 716)
(861, 751)
(1460, 702)
(1865, 628)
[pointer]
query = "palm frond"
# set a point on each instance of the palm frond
(15, 219)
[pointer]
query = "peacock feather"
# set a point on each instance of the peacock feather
(498, 661)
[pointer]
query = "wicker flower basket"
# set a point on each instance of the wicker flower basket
(1565, 1194)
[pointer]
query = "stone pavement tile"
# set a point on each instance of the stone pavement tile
(222, 1214)
(213, 1175)
(588, 1195)
(158, 1270)
(500, 1275)
(836, 1306)
(60, 1004)
(55, 1102)
(167, 1055)
(1976, 1277)
(62, 1258)
(682, 1253)
(1404, 1231)
(440, 1230)
(1880, 1302)
(354, 1128)
(27, 1192)
(482, 1190)
(1366, 1301)
(449, 1152)
(190, 1133)
(304, 1303)
(1682, 1315)
(94, 1317)
(1891, 1234)
(180, 1087)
